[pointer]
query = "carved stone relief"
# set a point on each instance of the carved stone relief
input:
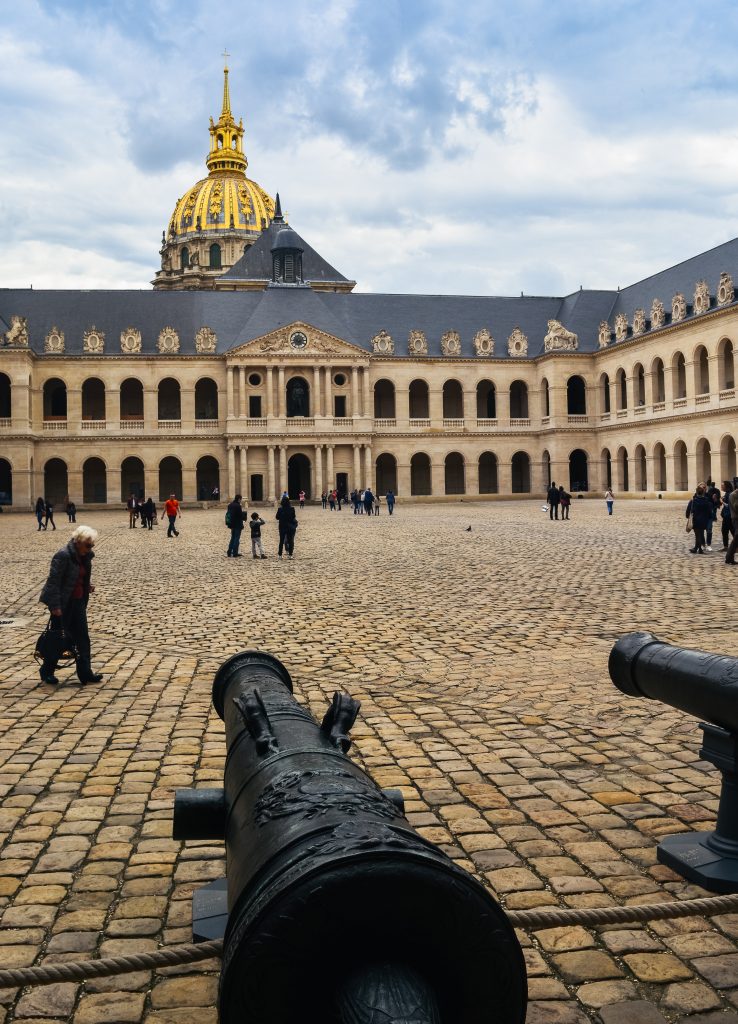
(417, 343)
(639, 321)
(451, 343)
(517, 343)
(658, 313)
(205, 340)
(168, 340)
(559, 339)
(725, 292)
(484, 343)
(604, 334)
(621, 327)
(17, 336)
(678, 307)
(701, 297)
(93, 340)
(54, 340)
(279, 343)
(383, 343)
(130, 340)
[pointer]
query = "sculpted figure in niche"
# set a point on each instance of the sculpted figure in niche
(451, 343)
(484, 343)
(678, 307)
(205, 340)
(658, 313)
(559, 339)
(195, 258)
(298, 397)
(168, 340)
(18, 333)
(603, 337)
(54, 341)
(417, 343)
(517, 343)
(725, 292)
(130, 340)
(621, 327)
(93, 340)
(639, 321)
(383, 342)
(701, 297)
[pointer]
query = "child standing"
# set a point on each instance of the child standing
(255, 525)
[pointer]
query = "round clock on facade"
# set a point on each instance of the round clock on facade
(298, 340)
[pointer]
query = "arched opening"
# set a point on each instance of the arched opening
(298, 397)
(659, 467)
(184, 258)
(679, 375)
(576, 396)
(726, 365)
(639, 383)
(207, 477)
(454, 473)
(546, 467)
(215, 257)
(384, 400)
(519, 400)
(5, 397)
(131, 400)
(727, 458)
(6, 482)
(521, 473)
(488, 479)
(420, 474)
(701, 372)
(418, 400)
(704, 461)
(55, 399)
(206, 399)
(607, 466)
(623, 470)
(170, 400)
(453, 400)
(386, 473)
(578, 471)
(56, 482)
(621, 389)
(681, 471)
(93, 399)
(658, 380)
(298, 476)
(545, 399)
(132, 478)
(94, 482)
(170, 478)
(605, 392)
(486, 400)
(640, 472)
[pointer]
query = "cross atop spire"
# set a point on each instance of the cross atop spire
(226, 137)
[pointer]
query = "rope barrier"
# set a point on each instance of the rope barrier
(176, 956)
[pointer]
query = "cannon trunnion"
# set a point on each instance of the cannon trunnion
(338, 911)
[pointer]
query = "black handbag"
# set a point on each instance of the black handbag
(55, 645)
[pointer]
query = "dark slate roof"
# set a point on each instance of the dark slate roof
(256, 262)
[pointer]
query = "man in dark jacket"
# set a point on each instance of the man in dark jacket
(66, 593)
(552, 497)
(235, 521)
(733, 504)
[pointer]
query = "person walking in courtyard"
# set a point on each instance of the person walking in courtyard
(255, 525)
(377, 503)
(40, 509)
(368, 500)
(287, 527)
(552, 497)
(66, 594)
(171, 508)
(332, 501)
(609, 500)
(235, 519)
(390, 499)
(150, 511)
(564, 501)
(71, 510)
(324, 500)
(49, 515)
(700, 510)
(726, 525)
(302, 499)
(733, 504)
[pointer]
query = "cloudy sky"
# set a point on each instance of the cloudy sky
(419, 145)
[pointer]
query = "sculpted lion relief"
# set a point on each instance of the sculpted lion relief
(17, 336)
(559, 339)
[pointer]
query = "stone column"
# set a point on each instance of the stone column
(151, 409)
(502, 406)
(269, 412)
(329, 391)
(368, 467)
(670, 471)
(318, 470)
(74, 413)
(470, 411)
(471, 475)
(355, 391)
(331, 482)
(243, 482)
(112, 407)
(74, 486)
(271, 492)
(403, 479)
(242, 392)
(282, 469)
(189, 484)
(229, 390)
(504, 475)
(402, 407)
(357, 468)
(438, 475)
(281, 397)
(435, 407)
(187, 409)
(20, 407)
(231, 484)
(367, 393)
(317, 409)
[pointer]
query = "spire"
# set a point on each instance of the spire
(226, 137)
(226, 111)
(277, 218)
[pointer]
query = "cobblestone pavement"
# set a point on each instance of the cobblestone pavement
(480, 658)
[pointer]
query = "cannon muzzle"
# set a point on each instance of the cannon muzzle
(338, 911)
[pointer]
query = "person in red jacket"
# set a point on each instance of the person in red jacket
(171, 508)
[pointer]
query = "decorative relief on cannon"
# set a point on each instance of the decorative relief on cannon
(702, 297)
(54, 341)
(559, 339)
(93, 341)
(484, 343)
(639, 321)
(383, 344)
(517, 343)
(315, 793)
(604, 334)
(417, 343)
(451, 343)
(678, 308)
(621, 327)
(725, 291)
(658, 313)
(168, 340)
(206, 340)
(130, 340)
(17, 336)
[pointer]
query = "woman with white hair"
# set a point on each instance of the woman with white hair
(66, 593)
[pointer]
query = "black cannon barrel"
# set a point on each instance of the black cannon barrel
(338, 911)
(704, 685)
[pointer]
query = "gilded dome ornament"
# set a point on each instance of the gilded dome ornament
(93, 341)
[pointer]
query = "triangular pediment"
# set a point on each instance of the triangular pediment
(288, 341)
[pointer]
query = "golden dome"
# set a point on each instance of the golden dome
(224, 201)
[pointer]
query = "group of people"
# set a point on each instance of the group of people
(558, 497)
(702, 512)
(143, 511)
(236, 519)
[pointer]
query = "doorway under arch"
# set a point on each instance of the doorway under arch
(132, 478)
(207, 477)
(6, 482)
(94, 482)
(170, 478)
(681, 470)
(386, 473)
(659, 467)
(727, 458)
(298, 476)
(420, 474)
(521, 473)
(56, 481)
(454, 473)
(578, 471)
(488, 478)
